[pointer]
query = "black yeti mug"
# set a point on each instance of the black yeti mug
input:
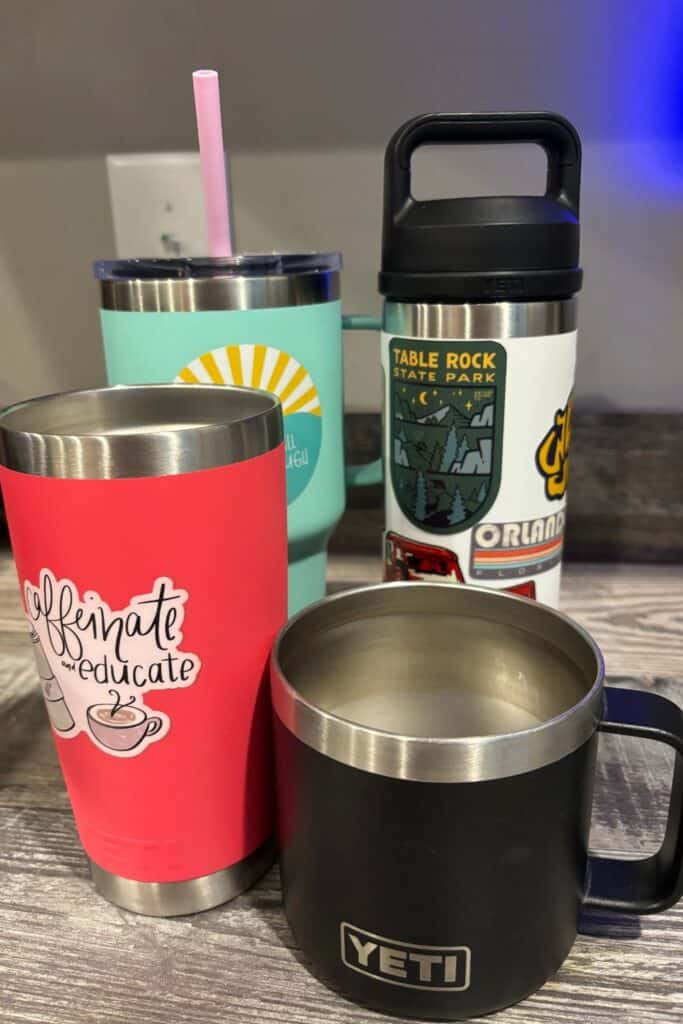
(436, 751)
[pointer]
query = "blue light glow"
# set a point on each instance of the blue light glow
(651, 91)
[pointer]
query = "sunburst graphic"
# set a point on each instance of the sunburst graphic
(257, 366)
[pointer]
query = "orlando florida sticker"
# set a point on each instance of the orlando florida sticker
(521, 548)
(446, 430)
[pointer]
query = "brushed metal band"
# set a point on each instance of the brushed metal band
(480, 319)
(432, 759)
(146, 430)
(188, 295)
(170, 899)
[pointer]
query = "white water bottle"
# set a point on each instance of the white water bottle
(478, 350)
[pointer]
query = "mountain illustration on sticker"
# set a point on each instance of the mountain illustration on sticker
(448, 415)
(445, 437)
(262, 366)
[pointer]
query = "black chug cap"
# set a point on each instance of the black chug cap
(482, 249)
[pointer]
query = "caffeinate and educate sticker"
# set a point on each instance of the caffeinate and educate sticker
(96, 665)
(261, 366)
(446, 424)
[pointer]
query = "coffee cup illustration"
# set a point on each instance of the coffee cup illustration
(121, 726)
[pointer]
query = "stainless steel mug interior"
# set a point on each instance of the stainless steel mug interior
(413, 682)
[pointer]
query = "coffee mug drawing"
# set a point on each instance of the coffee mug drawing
(270, 321)
(121, 726)
(436, 752)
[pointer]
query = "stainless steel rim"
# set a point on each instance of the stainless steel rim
(171, 899)
(145, 430)
(189, 295)
(429, 759)
(480, 319)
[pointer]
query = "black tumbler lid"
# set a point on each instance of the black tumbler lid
(488, 248)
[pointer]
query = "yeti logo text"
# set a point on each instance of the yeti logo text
(437, 968)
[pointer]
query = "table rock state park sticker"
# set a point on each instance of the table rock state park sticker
(446, 430)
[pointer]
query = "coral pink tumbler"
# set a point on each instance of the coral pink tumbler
(149, 531)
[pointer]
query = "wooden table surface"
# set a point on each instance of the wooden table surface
(67, 956)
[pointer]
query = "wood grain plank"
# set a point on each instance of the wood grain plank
(72, 957)
(634, 612)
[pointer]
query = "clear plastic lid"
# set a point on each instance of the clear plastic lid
(243, 265)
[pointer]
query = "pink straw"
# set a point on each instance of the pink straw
(207, 102)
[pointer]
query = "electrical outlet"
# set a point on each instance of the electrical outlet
(157, 205)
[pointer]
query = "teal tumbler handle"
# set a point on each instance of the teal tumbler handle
(370, 472)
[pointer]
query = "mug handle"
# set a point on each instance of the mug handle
(153, 726)
(370, 472)
(654, 883)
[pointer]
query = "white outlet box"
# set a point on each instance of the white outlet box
(156, 203)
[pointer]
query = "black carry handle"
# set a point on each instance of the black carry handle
(551, 131)
(655, 883)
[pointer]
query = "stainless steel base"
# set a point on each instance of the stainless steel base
(170, 899)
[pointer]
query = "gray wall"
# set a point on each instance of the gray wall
(311, 92)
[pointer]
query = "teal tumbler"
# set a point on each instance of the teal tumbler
(269, 321)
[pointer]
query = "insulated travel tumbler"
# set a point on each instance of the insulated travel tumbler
(148, 526)
(478, 349)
